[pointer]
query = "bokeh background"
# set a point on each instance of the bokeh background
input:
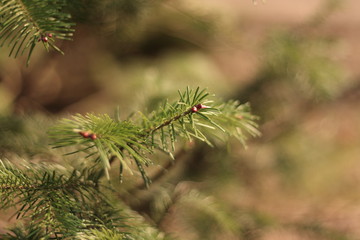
(295, 62)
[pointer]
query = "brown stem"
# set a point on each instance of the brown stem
(171, 120)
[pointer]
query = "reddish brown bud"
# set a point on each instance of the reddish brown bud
(200, 106)
(84, 134)
(92, 136)
(194, 109)
(50, 35)
(44, 39)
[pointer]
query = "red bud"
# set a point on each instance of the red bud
(84, 134)
(194, 109)
(200, 106)
(92, 136)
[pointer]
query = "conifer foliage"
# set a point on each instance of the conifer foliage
(104, 138)
(64, 203)
(25, 23)
(77, 201)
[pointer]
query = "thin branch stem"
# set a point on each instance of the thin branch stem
(167, 122)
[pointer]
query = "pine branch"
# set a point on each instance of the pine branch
(55, 201)
(25, 23)
(103, 233)
(29, 232)
(191, 117)
(179, 119)
(237, 121)
(103, 138)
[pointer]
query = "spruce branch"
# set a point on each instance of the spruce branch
(237, 121)
(103, 233)
(25, 23)
(196, 116)
(21, 231)
(55, 201)
(102, 138)
(192, 116)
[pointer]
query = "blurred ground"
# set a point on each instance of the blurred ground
(300, 179)
(304, 182)
(256, 21)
